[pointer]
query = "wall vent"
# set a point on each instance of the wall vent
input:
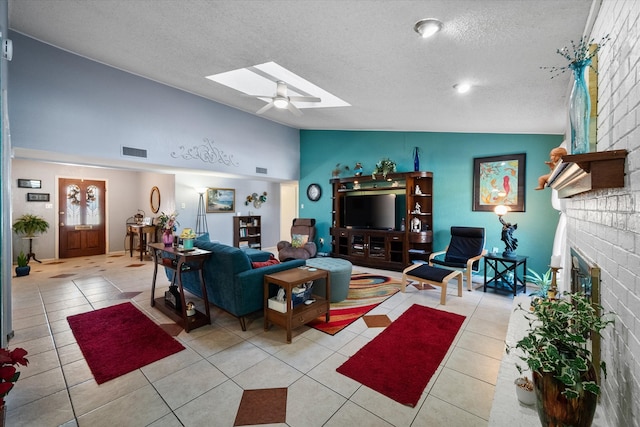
(261, 170)
(135, 152)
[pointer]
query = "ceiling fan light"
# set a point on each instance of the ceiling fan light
(281, 103)
(428, 27)
(462, 87)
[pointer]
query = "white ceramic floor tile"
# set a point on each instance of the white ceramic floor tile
(310, 403)
(436, 412)
(188, 383)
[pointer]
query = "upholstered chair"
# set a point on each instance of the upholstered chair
(302, 245)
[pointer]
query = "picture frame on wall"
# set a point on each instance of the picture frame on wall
(221, 200)
(499, 180)
(29, 183)
(38, 197)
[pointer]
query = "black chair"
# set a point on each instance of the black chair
(464, 252)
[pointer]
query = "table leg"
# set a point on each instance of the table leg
(155, 274)
(130, 243)
(31, 255)
(143, 243)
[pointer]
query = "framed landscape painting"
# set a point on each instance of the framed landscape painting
(499, 180)
(221, 200)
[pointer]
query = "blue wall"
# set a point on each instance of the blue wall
(450, 157)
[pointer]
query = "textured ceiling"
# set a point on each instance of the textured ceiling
(364, 52)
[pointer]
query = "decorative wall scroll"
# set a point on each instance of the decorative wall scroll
(205, 152)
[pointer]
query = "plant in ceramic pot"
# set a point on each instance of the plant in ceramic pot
(23, 268)
(29, 225)
(338, 170)
(384, 166)
(556, 350)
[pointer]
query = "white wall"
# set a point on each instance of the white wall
(605, 224)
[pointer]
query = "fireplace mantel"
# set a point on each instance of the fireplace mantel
(578, 173)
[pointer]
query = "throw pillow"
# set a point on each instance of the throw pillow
(271, 261)
(299, 240)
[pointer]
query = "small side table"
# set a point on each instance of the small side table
(31, 255)
(185, 261)
(142, 231)
(501, 267)
(302, 313)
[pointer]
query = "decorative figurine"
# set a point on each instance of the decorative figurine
(416, 225)
(357, 169)
(418, 190)
(510, 242)
(554, 158)
(417, 209)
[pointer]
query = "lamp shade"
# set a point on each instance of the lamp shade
(501, 210)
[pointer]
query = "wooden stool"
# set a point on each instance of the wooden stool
(423, 273)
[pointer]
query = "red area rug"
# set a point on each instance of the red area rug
(401, 360)
(366, 292)
(120, 339)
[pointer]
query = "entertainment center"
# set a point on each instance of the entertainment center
(383, 222)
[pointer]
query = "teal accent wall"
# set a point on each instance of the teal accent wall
(450, 157)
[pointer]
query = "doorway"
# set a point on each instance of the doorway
(81, 222)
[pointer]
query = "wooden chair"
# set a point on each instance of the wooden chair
(424, 273)
(464, 252)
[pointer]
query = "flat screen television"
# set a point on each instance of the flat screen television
(373, 211)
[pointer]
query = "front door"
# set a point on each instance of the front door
(82, 221)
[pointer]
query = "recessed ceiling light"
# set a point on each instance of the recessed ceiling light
(462, 87)
(428, 27)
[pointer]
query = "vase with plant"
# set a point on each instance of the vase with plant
(23, 267)
(580, 57)
(384, 166)
(29, 225)
(9, 375)
(168, 224)
(556, 351)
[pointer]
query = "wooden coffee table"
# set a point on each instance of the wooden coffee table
(301, 313)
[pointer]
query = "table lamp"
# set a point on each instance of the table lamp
(510, 242)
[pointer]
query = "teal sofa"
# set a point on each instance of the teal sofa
(231, 281)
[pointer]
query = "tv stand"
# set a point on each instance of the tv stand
(388, 249)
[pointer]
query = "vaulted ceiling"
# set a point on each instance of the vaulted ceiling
(363, 51)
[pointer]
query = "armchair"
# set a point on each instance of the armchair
(463, 253)
(302, 246)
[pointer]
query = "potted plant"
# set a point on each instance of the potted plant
(8, 372)
(384, 166)
(23, 268)
(29, 225)
(542, 282)
(556, 350)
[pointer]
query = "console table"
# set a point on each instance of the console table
(301, 314)
(31, 255)
(179, 261)
(502, 268)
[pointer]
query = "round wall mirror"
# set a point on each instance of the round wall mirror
(155, 199)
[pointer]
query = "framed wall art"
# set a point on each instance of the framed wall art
(38, 197)
(29, 183)
(221, 200)
(499, 180)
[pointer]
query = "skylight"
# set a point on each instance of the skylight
(261, 80)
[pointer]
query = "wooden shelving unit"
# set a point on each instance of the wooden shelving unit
(392, 249)
(247, 231)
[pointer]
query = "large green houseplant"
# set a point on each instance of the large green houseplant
(30, 225)
(556, 350)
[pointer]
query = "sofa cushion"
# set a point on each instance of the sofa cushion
(259, 264)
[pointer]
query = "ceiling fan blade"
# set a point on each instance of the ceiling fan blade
(294, 110)
(265, 108)
(304, 99)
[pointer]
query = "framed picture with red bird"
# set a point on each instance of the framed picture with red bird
(499, 180)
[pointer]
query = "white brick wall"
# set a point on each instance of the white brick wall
(605, 224)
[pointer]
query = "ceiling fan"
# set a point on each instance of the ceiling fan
(282, 101)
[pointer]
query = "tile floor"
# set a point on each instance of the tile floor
(203, 385)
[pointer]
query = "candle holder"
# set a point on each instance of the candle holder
(553, 289)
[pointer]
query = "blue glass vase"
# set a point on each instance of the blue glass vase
(416, 159)
(579, 108)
